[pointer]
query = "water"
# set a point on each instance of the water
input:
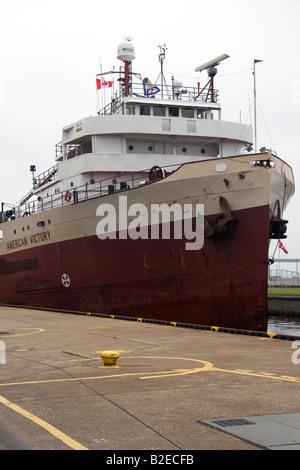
(284, 325)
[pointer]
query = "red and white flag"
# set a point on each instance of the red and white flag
(280, 244)
(103, 84)
(256, 61)
(107, 84)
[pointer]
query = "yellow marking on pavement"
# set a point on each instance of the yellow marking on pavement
(97, 327)
(40, 422)
(37, 330)
(207, 366)
(264, 375)
(97, 377)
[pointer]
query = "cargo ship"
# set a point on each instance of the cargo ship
(155, 208)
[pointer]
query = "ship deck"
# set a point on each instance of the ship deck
(173, 389)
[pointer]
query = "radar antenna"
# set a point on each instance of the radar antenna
(210, 66)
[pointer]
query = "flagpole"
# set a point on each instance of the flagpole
(255, 130)
(255, 124)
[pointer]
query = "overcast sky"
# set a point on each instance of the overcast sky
(51, 51)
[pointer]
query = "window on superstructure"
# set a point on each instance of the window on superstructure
(215, 114)
(144, 110)
(159, 110)
(187, 112)
(130, 109)
(201, 113)
(173, 111)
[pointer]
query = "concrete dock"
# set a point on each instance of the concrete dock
(171, 389)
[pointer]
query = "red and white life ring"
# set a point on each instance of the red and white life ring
(68, 196)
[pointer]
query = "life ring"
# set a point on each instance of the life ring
(26, 214)
(68, 196)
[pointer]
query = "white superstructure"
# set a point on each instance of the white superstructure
(143, 126)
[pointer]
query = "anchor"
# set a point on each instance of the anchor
(223, 225)
(278, 225)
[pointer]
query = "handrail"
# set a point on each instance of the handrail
(39, 181)
(78, 194)
(45, 177)
(177, 92)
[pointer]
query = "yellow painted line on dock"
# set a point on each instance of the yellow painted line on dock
(78, 379)
(206, 367)
(36, 330)
(97, 327)
(40, 422)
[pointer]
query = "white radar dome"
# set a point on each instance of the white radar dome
(126, 51)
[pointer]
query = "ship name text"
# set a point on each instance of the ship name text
(33, 239)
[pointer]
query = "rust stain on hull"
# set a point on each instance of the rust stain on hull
(223, 284)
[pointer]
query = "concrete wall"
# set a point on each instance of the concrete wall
(284, 305)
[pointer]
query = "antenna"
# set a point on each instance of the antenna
(161, 58)
(210, 66)
(211, 63)
(126, 53)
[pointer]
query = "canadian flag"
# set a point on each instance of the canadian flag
(103, 84)
(280, 244)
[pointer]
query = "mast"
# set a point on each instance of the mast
(161, 58)
(254, 91)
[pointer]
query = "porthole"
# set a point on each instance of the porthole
(203, 151)
(150, 148)
(184, 149)
(130, 148)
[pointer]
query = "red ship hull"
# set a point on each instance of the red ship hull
(224, 284)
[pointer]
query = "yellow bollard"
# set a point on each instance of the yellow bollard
(214, 328)
(109, 357)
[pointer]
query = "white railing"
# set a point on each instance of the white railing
(82, 193)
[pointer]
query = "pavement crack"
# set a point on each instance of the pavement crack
(124, 410)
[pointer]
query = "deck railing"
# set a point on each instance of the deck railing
(78, 194)
(175, 92)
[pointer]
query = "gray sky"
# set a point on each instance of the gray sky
(51, 51)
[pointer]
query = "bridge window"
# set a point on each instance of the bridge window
(187, 112)
(144, 110)
(130, 109)
(201, 113)
(173, 111)
(159, 110)
(215, 114)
